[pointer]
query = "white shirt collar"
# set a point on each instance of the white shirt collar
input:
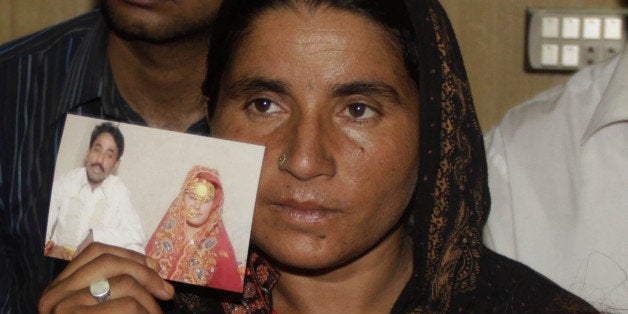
(85, 182)
(613, 106)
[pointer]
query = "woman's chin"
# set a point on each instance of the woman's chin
(301, 263)
(305, 255)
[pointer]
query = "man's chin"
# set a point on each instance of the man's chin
(138, 28)
(95, 180)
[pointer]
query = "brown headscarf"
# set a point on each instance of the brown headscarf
(453, 270)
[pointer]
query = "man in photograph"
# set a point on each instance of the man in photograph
(90, 204)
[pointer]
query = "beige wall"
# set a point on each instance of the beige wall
(22, 17)
(491, 35)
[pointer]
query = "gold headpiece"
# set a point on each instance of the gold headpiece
(201, 189)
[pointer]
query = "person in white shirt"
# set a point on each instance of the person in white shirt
(90, 204)
(558, 176)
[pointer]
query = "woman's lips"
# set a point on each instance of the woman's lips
(305, 212)
(143, 3)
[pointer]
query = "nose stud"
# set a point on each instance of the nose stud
(282, 160)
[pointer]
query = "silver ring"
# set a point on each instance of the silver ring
(100, 290)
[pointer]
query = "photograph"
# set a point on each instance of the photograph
(186, 201)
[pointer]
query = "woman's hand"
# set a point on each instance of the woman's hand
(133, 281)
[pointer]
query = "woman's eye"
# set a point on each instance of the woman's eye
(264, 105)
(360, 110)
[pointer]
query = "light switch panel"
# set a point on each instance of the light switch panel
(567, 39)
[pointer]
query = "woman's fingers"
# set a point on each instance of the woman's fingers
(132, 274)
(127, 296)
(94, 250)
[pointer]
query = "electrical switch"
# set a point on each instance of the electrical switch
(570, 55)
(571, 27)
(550, 27)
(592, 28)
(612, 28)
(549, 55)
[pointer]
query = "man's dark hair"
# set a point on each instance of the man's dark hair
(107, 127)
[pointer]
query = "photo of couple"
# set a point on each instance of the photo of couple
(200, 237)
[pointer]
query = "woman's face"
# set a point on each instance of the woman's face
(197, 211)
(330, 90)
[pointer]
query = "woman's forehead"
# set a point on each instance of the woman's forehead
(318, 45)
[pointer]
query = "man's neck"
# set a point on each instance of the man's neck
(94, 185)
(371, 284)
(161, 82)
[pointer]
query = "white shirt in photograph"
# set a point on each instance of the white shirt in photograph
(107, 211)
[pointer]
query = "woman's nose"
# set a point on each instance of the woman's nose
(308, 149)
(197, 205)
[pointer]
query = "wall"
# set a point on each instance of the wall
(491, 35)
(22, 17)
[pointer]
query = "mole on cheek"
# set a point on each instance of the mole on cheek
(322, 236)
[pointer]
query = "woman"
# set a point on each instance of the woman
(191, 244)
(373, 189)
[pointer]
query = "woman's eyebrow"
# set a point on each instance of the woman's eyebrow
(368, 88)
(256, 84)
